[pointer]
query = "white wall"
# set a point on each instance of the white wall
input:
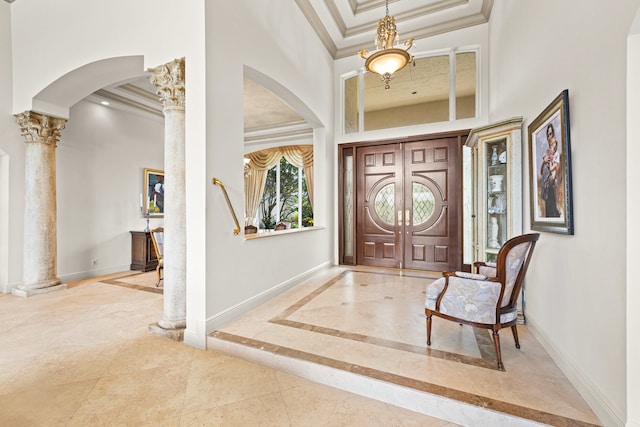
(240, 272)
(101, 158)
(576, 285)
(11, 168)
(633, 228)
(81, 32)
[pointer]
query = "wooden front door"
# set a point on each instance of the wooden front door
(407, 200)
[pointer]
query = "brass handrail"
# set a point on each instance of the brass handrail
(216, 181)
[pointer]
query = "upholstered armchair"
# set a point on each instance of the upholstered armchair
(485, 299)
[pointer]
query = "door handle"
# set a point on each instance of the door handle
(400, 218)
(407, 217)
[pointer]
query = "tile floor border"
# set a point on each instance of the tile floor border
(419, 396)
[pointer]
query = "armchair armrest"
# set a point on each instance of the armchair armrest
(488, 268)
(474, 299)
(483, 263)
(471, 276)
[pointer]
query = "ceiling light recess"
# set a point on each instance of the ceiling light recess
(388, 57)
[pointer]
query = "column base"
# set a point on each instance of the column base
(25, 293)
(172, 334)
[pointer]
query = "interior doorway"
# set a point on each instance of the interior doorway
(404, 209)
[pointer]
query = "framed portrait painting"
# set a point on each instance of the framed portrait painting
(550, 168)
(154, 190)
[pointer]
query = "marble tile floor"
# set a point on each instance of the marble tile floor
(363, 330)
(83, 357)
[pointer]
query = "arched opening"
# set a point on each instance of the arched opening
(279, 147)
(100, 162)
(57, 98)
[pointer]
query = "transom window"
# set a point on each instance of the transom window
(438, 88)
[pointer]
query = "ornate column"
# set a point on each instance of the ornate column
(169, 79)
(39, 274)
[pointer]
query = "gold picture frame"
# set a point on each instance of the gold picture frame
(154, 192)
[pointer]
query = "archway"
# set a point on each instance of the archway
(57, 98)
(55, 101)
(290, 126)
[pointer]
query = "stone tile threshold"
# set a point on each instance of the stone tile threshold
(480, 402)
(431, 399)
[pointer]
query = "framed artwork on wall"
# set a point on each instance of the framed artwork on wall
(154, 190)
(550, 168)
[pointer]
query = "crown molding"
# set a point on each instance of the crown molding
(443, 27)
(290, 133)
(344, 31)
(407, 16)
(314, 20)
(128, 102)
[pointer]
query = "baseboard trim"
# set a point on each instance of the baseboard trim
(8, 288)
(193, 340)
(599, 404)
(71, 277)
(217, 320)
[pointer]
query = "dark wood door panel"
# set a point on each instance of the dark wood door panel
(431, 187)
(378, 181)
(407, 205)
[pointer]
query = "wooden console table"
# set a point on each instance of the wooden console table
(143, 254)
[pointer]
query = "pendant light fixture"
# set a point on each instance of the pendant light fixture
(390, 56)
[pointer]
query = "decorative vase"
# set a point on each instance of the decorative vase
(494, 156)
(492, 233)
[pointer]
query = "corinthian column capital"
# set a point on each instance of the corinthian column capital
(169, 79)
(37, 127)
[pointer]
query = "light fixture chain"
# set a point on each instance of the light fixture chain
(389, 56)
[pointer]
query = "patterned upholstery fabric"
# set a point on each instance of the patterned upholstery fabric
(472, 300)
(471, 275)
(468, 299)
(515, 258)
(489, 269)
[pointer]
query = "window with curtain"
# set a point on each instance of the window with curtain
(279, 187)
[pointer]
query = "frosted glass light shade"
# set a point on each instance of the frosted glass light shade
(387, 61)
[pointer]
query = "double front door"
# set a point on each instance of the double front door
(408, 205)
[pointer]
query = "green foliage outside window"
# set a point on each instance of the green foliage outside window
(288, 203)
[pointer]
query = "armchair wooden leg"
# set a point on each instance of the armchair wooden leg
(428, 328)
(496, 344)
(515, 336)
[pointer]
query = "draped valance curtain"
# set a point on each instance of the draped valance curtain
(300, 156)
